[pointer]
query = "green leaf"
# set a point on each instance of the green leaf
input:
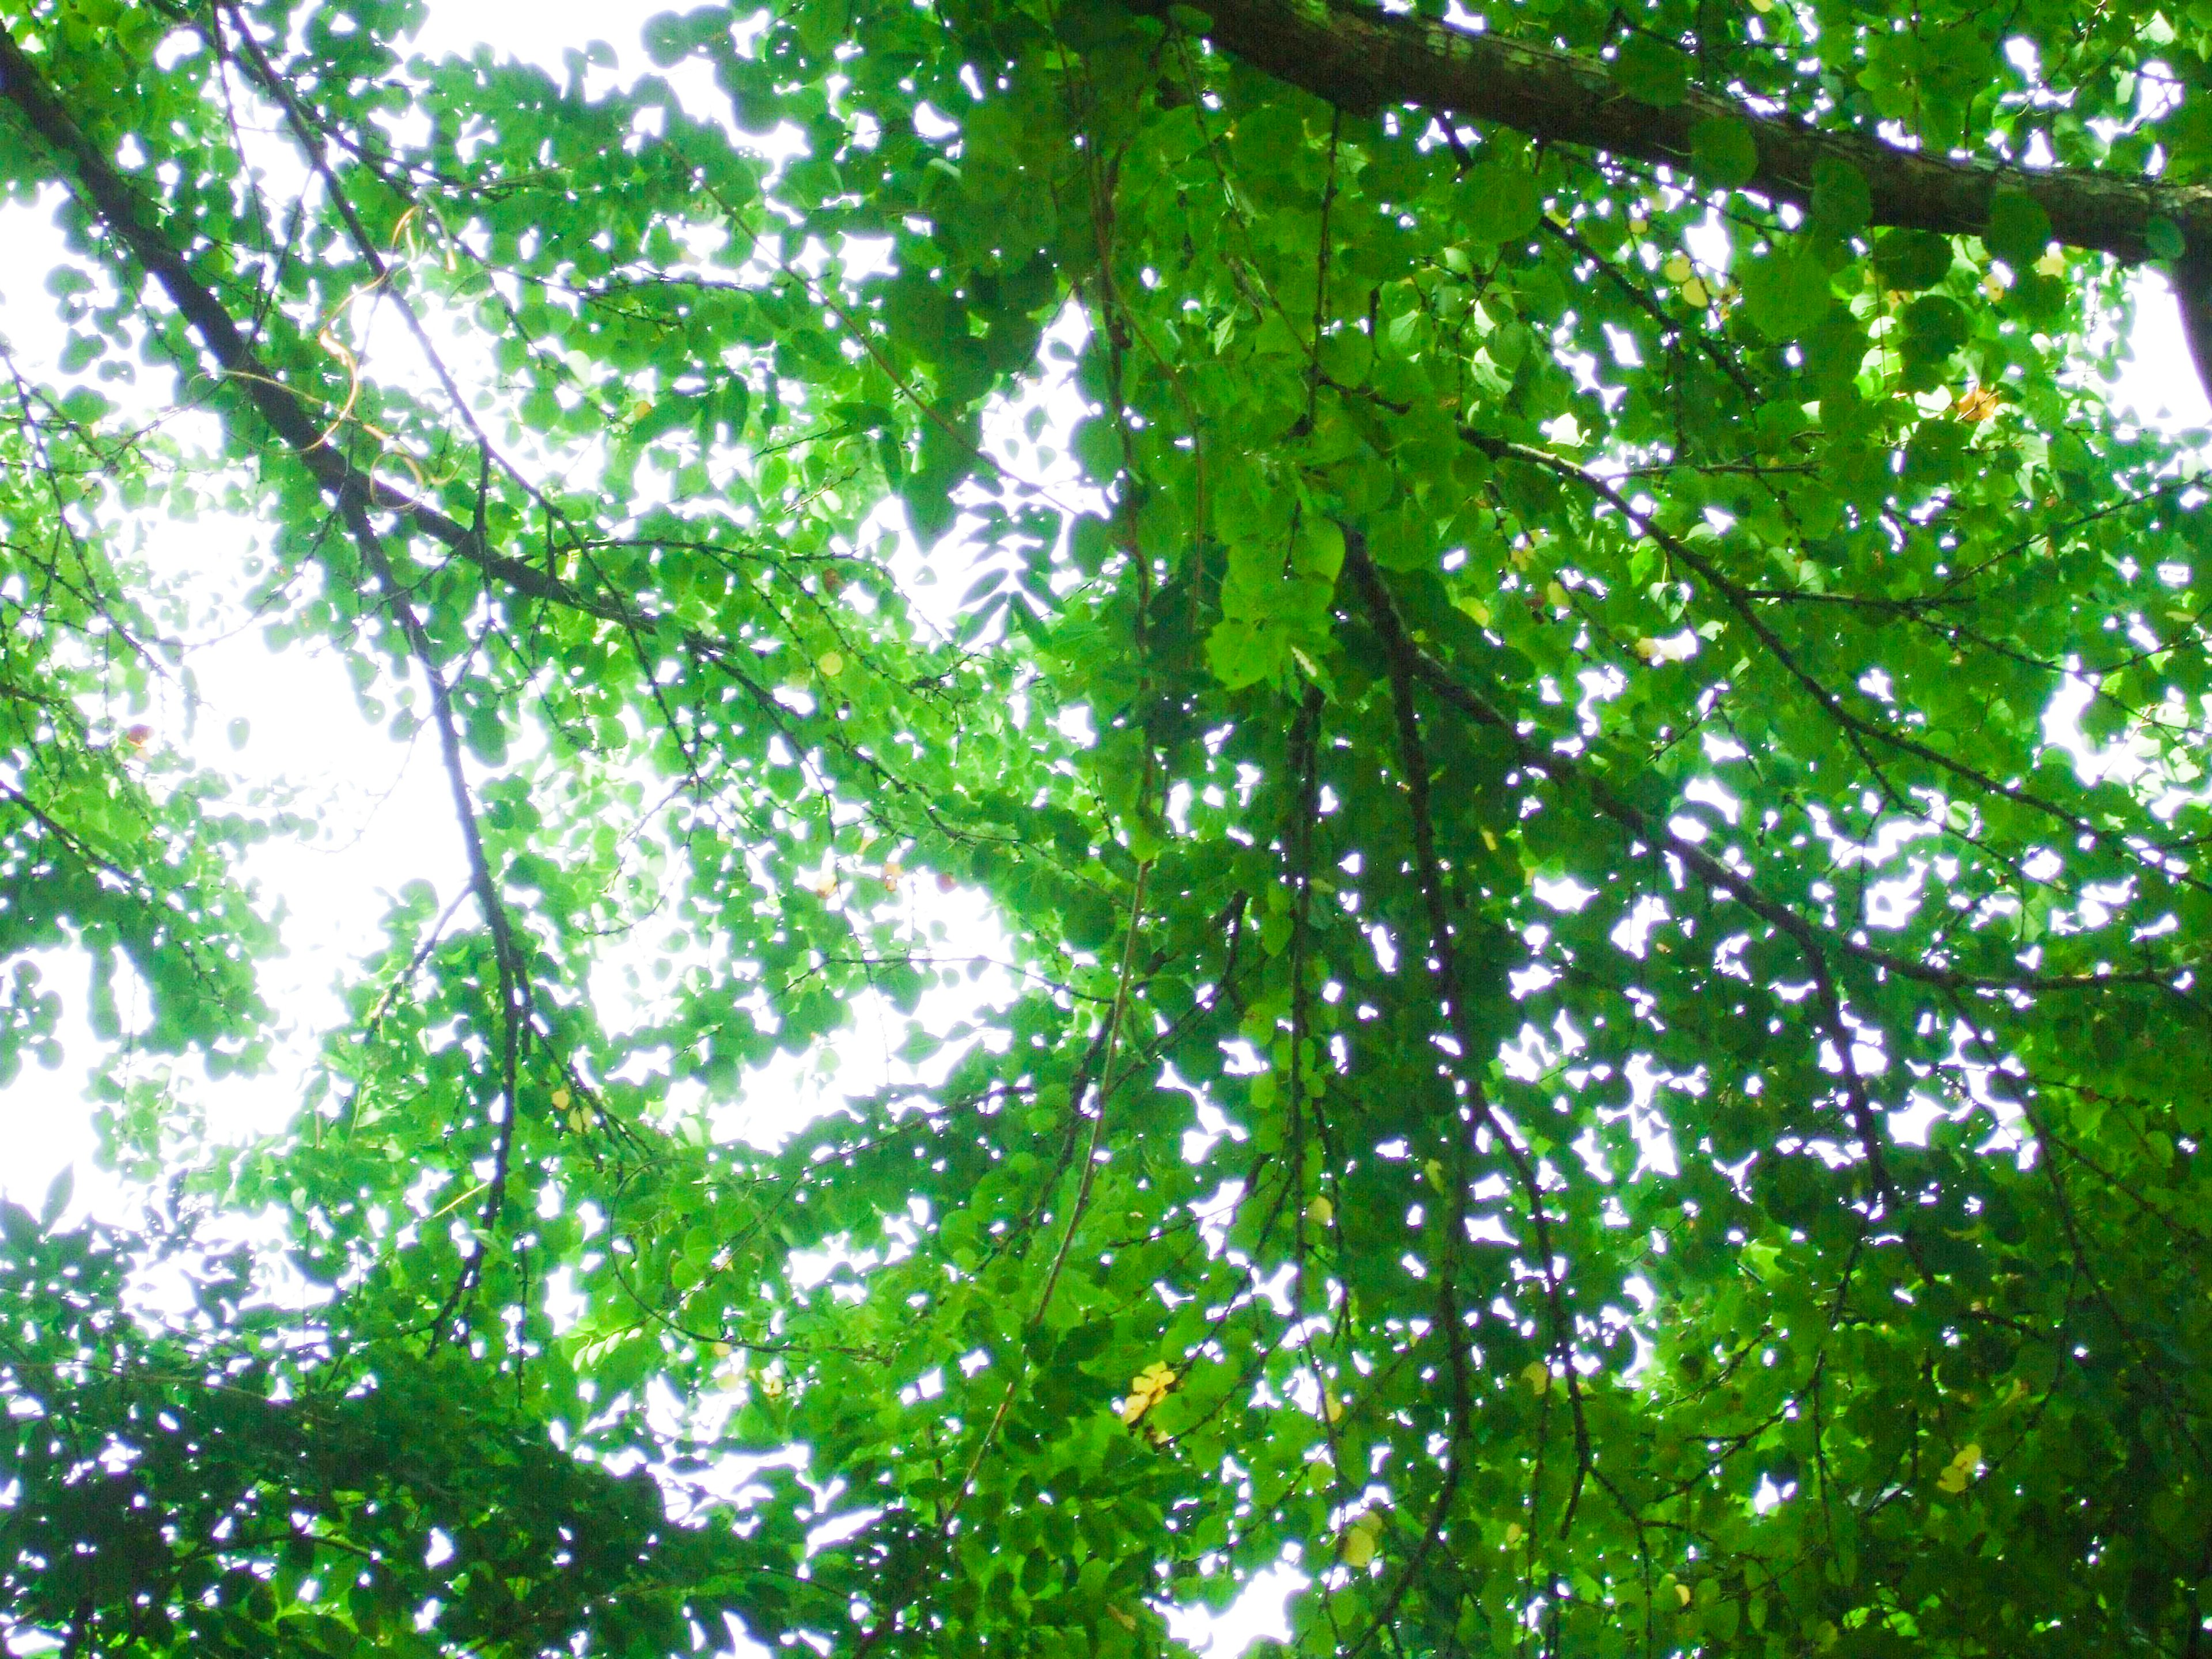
(1936, 327)
(1651, 72)
(2019, 229)
(1320, 548)
(1910, 260)
(1089, 25)
(59, 1193)
(1723, 151)
(80, 352)
(1842, 201)
(1245, 653)
(1785, 292)
(1503, 203)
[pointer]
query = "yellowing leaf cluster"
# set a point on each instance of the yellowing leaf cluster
(1362, 1539)
(1961, 1469)
(1978, 404)
(1146, 1389)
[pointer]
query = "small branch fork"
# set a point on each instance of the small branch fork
(1854, 725)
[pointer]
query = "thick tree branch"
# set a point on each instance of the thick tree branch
(111, 199)
(1364, 60)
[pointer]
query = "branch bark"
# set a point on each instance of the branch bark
(1363, 61)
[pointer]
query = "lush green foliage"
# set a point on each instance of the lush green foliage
(1579, 1059)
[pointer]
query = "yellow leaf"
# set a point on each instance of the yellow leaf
(2053, 263)
(830, 664)
(1678, 268)
(1695, 293)
(1120, 1618)
(1332, 1405)
(1358, 1548)
(1953, 1480)
(1978, 404)
(1321, 1211)
(1557, 595)
(1434, 1169)
(1537, 1375)
(1146, 1389)
(1512, 1533)
(1762, 6)
(1682, 1595)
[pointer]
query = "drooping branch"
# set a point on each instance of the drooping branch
(1443, 961)
(1364, 60)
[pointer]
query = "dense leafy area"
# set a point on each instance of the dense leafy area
(1581, 1063)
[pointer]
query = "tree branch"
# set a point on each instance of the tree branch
(1722, 878)
(1363, 61)
(1443, 963)
(357, 495)
(113, 200)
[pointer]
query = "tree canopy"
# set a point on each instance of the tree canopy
(1594, 804)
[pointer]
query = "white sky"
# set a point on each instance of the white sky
(385, 814)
